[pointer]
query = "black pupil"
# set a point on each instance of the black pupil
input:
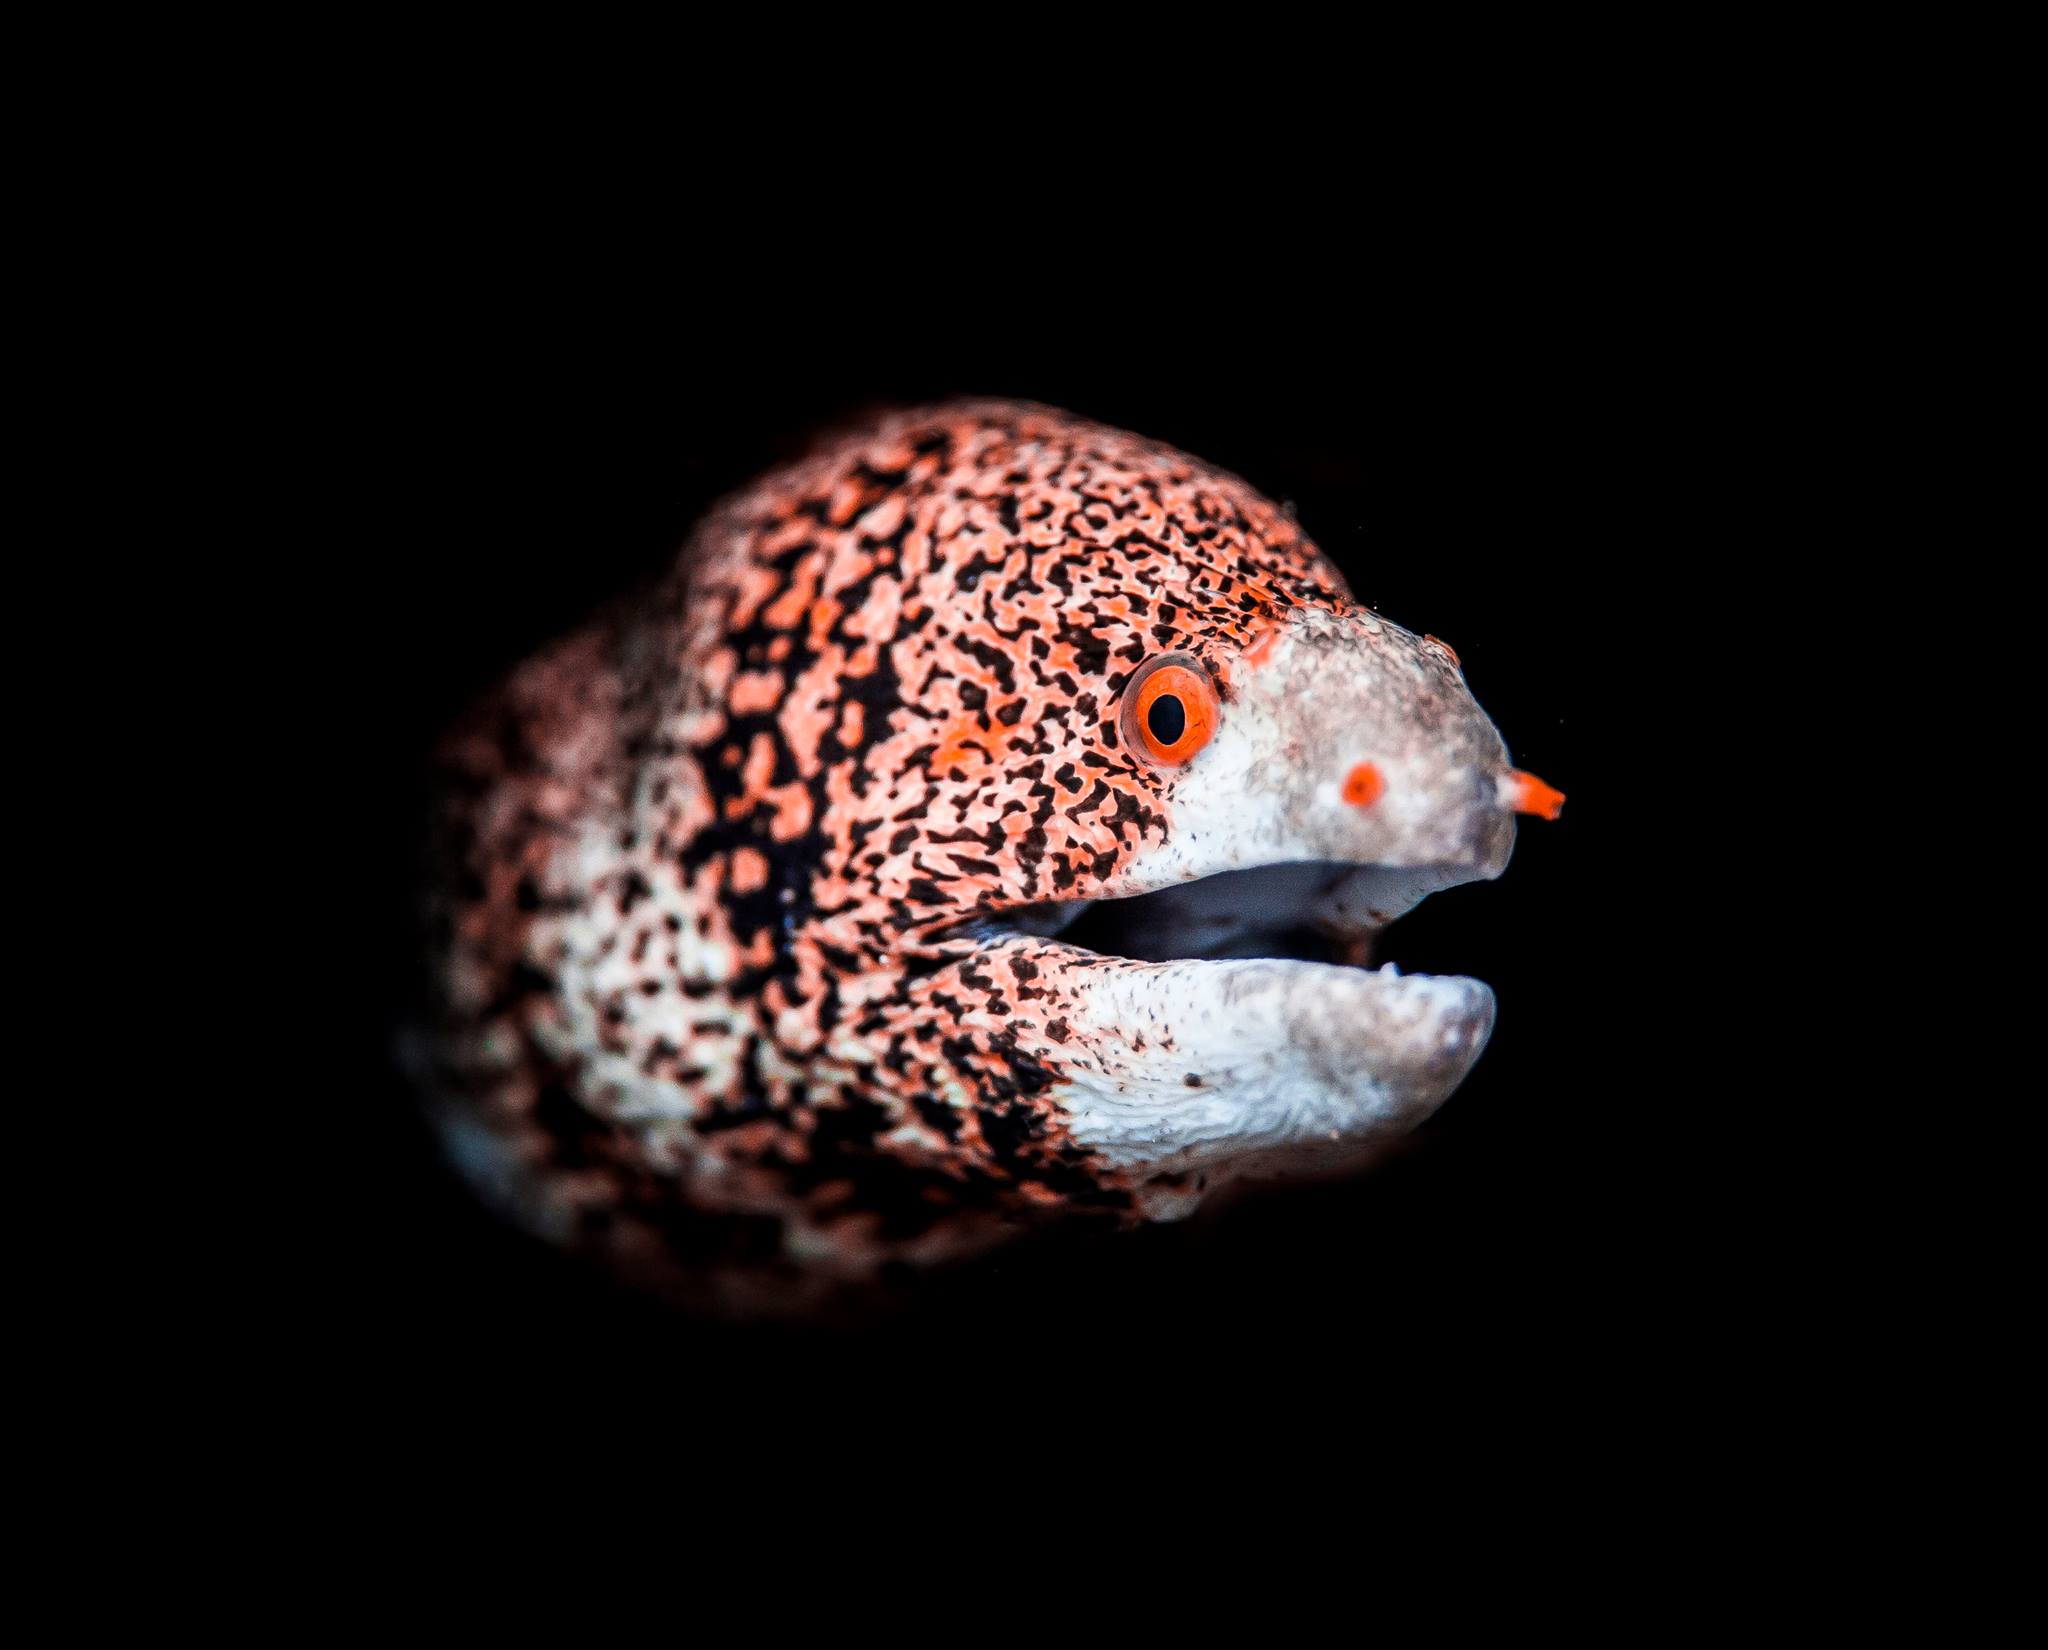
(1168, 718)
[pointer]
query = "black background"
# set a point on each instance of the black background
(1530, 469)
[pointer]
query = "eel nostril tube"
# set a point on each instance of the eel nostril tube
(1527, 794)
(1362, 785)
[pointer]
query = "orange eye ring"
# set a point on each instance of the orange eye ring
(1170, 709)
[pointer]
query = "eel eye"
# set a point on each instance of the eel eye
(1170, 709)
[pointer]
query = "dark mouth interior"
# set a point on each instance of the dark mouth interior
(1154, 928)
(1318, 911)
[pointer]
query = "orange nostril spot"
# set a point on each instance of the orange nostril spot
(1527, 794)
(1362, 786)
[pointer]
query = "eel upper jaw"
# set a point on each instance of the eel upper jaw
(1220, 1014)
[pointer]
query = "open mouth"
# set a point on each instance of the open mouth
(1238, 1020)
(1324, 912)
(1236, 1024)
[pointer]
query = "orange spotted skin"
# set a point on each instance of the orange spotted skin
(710, 1001)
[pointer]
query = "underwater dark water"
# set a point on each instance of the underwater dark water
(1508, 488)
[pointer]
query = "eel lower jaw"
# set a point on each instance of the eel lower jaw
(1201, 1071)
(1233, 1026)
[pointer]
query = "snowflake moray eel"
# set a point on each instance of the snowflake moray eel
(987, 819)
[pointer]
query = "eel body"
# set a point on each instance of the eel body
(986, 820)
